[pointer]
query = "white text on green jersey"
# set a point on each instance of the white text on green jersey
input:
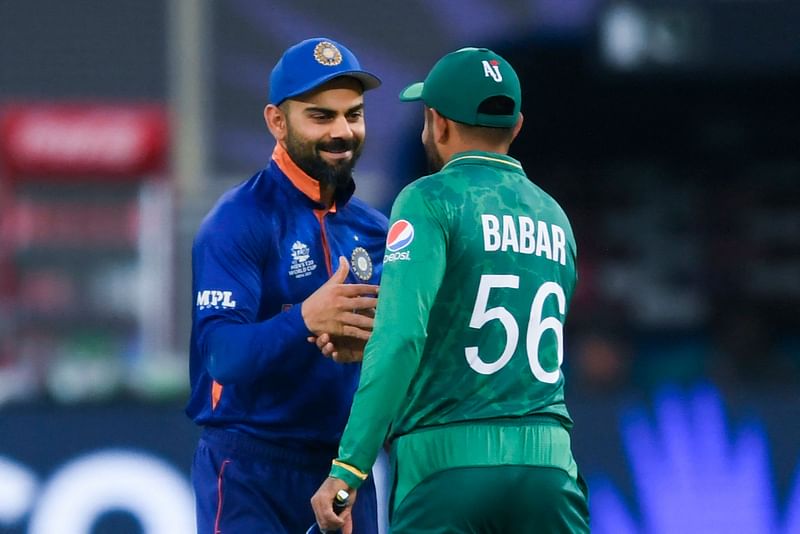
(523, 235)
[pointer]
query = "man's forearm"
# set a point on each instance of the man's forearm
(240, 353)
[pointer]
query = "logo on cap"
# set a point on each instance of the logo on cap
(492, 68)
(327, 54)
(401, 234)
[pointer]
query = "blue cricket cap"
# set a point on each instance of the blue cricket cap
(312, 62)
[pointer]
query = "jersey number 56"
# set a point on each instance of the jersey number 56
(536, 326)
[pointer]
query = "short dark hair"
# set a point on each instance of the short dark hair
(488, 134)
(494, 105)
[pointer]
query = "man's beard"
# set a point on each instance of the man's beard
(306, 154)
(435, 161)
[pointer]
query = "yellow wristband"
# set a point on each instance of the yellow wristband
(350, 469)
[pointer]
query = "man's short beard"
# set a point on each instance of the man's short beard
(307, 156)
(435, 161)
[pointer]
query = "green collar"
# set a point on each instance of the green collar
(478, 157)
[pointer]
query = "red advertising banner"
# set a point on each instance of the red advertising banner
(67, 141)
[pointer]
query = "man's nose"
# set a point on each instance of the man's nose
(340, 128)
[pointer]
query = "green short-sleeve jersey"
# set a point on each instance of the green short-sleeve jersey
(478, 273)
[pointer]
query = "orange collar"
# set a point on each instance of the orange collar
(302, 181)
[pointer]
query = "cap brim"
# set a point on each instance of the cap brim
(368, 80)
(412, 92)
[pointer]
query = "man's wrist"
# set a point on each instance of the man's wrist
(295, 316)
(352, 476)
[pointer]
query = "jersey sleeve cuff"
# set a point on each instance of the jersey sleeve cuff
(352, 476)
(294, 319)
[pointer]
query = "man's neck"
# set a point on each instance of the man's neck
(327, 192)
(457, 148)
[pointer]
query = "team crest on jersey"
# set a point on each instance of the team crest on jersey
(361, 263)
(327, 54)
(401, 234)
(302, 264)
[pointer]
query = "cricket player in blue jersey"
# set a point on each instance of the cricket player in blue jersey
(281, 258)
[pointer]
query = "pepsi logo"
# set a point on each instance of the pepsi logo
(401, 234)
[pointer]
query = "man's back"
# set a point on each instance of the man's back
(464, 362)
(462, 372)
(506, 258)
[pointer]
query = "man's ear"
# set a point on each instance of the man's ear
(517, 127)
(276, 121)
(441, 127)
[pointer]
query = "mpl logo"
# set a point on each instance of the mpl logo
(401, 234)
(213, 298)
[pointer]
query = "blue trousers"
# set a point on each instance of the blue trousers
(244, 485)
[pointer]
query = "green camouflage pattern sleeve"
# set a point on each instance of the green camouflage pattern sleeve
(414, 265)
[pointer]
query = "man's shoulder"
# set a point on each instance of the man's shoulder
(360, 209)
(425, 182)
(431, 189)
(258, 194)
(241, 207)
(548, 201)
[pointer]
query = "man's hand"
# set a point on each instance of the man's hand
(342, 349)
(322, 503)
(339, 309)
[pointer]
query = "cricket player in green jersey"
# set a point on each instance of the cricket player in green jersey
(462, 374)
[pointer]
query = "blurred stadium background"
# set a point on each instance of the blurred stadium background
(668, 130)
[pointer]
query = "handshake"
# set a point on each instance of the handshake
(340, 316)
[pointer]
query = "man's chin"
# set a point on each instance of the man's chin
(344, 168)
(338, 176)
(435, 162)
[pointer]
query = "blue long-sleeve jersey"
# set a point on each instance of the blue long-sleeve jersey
(266, 246)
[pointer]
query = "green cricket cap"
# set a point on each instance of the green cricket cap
(461, 81)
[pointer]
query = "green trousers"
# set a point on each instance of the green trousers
(495, 499)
